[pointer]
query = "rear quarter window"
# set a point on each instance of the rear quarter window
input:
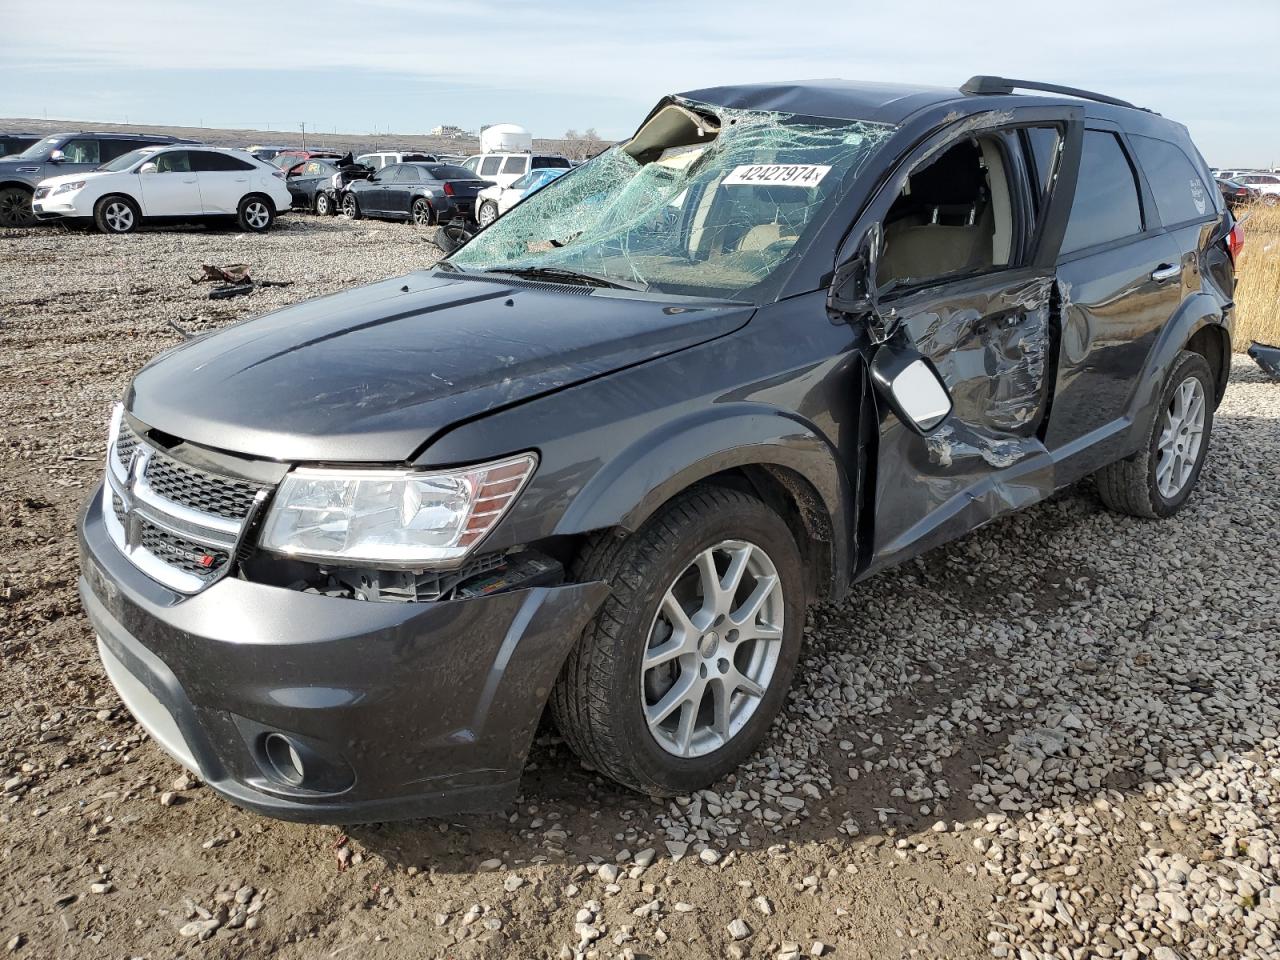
(1106, 205)
(554, 163)
(1180, 192)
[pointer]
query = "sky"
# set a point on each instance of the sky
(407, 65)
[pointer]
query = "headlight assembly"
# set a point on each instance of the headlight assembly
(68, 187)
(399, 518)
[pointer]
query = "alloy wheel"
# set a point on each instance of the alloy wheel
(1181, 436)
(712, 649)
(322, 204)
(349, 206)
(487, 214)
(256, 214)
(119, 216)
(422, 214)
(15, 209)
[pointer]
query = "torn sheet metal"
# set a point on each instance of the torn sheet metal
(1266, 357)
(991, 348)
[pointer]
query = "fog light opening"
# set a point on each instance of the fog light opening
(284, 758)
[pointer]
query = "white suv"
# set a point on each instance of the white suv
(180, 182)
(505, 169)
(1267, 185)
(389, 158)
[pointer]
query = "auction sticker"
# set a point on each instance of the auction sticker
(778, 174)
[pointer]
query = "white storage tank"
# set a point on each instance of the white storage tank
(505, 138)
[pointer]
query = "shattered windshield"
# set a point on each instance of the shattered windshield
(703, 201)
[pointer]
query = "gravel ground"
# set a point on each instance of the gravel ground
(1057, 737)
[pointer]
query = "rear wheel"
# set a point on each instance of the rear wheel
(351, 206)
(116, 214)
(1157, 480)
(324, 206)
(487, 213)
(15, 208)
(255, 213)
(423, 215)
(685, 666)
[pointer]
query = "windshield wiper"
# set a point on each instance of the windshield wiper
(564, 275)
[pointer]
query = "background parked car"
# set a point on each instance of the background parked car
(287, 158)
(388, 158)
(492, 202)
(1267, 185)
(62, 153)
(11, 143)
(505, 169)
(174, 183)
(1236, 193)
(268, 153)
(315, 184)
(426, 193)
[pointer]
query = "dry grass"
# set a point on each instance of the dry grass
(1258, 290)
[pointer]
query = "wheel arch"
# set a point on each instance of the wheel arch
(1200, 324)
(20, 184)
(774, 456)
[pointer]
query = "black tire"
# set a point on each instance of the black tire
(422, 214)
(323, 205)
(15, 208)
(597, 702)
(487, 209)
(255, 213)
(1131, 485)
(351, 206)
(116, 213)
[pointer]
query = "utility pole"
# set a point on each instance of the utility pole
(304, 136)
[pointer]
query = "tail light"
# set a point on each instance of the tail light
(448, 189)
(1235, 241)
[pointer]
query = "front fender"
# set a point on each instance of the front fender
(627, 490)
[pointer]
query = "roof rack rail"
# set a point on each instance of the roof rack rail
(981, 86)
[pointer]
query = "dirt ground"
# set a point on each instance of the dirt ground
(1054, 738)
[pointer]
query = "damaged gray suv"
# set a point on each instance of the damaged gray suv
(600, 459)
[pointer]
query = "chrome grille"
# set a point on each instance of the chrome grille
(178, 523)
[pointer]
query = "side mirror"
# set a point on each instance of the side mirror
(149, 167)
(57, 156)
(911, 385)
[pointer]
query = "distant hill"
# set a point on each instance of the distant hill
(355, 142)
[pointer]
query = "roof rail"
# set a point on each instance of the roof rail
(981, 86)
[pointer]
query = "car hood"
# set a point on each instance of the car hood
(372, 374)
(74, 177)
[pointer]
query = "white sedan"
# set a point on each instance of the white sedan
(169, 183)
(493, 202)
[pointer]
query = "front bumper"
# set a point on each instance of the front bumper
(51, 208)
(399, 709)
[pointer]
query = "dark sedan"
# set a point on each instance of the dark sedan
(426, 193)
(315, 184)
(1237, 194)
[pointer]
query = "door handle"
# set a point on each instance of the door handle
(242, 179)
(192, 180)
(1166, 271)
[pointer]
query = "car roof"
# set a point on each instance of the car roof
(894, 103)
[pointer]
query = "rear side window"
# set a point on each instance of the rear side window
(110, 149)
(516, 165)
(1106, 206)
(554, 163)
(406, 174)
(1180, 192)
(447, 171)
(489, 166)
(206, 161)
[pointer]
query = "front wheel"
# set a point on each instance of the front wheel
(255, 214)
(116, 214)
(351, 206)
(487, 213)
(1157, 480)
(15, 208)
(324, 206)
(687, 663)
